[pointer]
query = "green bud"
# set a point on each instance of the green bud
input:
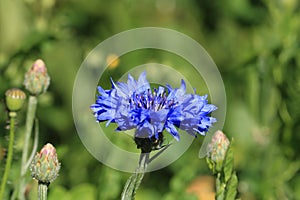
(15, 99)
(37, 79)
(45, 165)
(217, 148)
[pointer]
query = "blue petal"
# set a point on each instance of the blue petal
(145, 130)
(142, 84)
(171, 129)
(131, 83)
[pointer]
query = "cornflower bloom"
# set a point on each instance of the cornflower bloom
(133, 105)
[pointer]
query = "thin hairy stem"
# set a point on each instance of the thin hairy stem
(35, 143)
(135, 179)
(9, 155)
(42, 191)
(32, 104)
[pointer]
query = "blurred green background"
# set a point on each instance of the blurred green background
(254, 43)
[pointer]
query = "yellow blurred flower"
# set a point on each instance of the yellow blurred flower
(112, 61)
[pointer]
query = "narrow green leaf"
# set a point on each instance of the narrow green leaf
(210, 164)
(220, 188)
(218, 166)
(135, 179)
(228, 163)
(132, 185)
(231, 188)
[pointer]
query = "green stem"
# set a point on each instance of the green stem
(35, 143)
(135, 179)
(32, 104)
(42, 191)
(10, 153)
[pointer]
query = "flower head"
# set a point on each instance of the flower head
(45, 165)
(37, 79)
(133, 105)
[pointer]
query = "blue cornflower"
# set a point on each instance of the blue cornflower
(134, 105)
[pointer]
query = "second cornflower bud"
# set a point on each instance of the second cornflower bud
(37, 79)
(45, 165)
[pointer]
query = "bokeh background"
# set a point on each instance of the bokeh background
(254, 43)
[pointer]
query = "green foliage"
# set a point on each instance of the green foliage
(255, 44)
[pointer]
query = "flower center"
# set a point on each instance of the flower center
(150, 101)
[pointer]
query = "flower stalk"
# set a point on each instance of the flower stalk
(135, 179)
(42, 191)
(9, 155)
(32, 105)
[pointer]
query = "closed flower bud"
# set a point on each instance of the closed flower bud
(45, 165)
(37, 79)
(217, 149)
(15, 99)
